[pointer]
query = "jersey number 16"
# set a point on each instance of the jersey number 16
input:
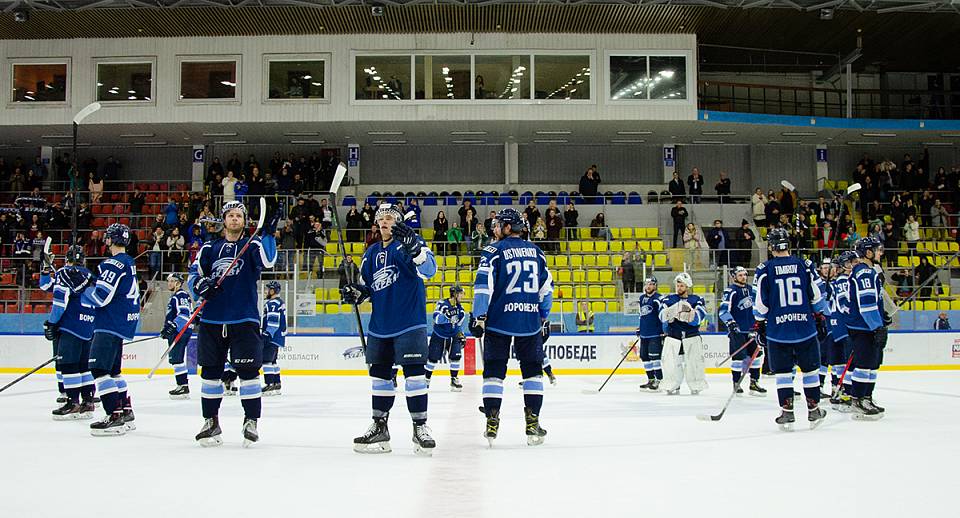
(790, 292)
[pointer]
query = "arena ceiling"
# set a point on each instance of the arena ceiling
(912, 35)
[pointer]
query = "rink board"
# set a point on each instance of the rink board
(570, 354)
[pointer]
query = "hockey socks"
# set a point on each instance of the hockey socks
(271, 373)
(533, 394)
(107, 388)
(493, 394)
(211, 394)
(415, 387)
(250, 392)
(180, 373)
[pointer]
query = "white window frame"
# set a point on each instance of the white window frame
(324, 57)
(592, 55)
(206, 58)
(441, 102)
(125, 60)
(12, 62)
(354, 54)
(691, 82)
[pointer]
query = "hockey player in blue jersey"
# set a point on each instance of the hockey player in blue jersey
(867, 329)
(681, 314)
(448, 320)
(826, 273)
(839, 316)
(70, 328)
(650, 333)
(179, 308)
(391, 276)
(116, 299)
(786, 299)
(736, 312)
(513, 292)
(273, 329)
(230, 323)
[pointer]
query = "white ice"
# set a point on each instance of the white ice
(617, 453)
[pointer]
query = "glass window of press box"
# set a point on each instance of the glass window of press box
(383, 77)
(208, 80)
(299, 79)
(502, 77)
(46, 82)
(127, 82)
(561, 77)
(442, 77)
(648, 77)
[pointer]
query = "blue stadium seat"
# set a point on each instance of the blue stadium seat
(429, 201)
(635, 198)
(349, 201)
(372, 200)
(526, 197)
(451, 201)
(505, 199)
(619, 198)
(542, 198)
(487, 199)
(391, 199)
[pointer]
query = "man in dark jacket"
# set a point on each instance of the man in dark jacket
(589, 186)
(679, 215)
(348, 271)
(717, 240)
(695, 184)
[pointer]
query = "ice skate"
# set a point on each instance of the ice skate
(270, 390)
(455, 385)
(181, 392)
(250, 434)
(376, 439)
(673, 392)
(875, 405)
(652, 385)
(737, 388)
(865, 410)
(756, 389)
(128, 419)
(535, 434)
(786, 419)
(815, 414)
(62, 398)
(422, 441)
(110, 426)
(71, 411)
(210, 434)
(493, 424)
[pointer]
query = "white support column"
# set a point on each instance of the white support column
(511, 164)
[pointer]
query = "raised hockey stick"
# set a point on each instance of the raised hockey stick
(263, 214)
(731, 355)
(743, 374)
(35, 369)
(334, 188)
(589, 391)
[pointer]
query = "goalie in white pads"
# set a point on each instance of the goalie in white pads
(681, 314)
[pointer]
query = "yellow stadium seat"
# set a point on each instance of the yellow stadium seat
(449, 276)
(580, 291)
(556, 306)
(593, 276)
(600, 246)
(616, 260)
(583, 232)
(699, 289)
(626, 233)
(589, 260)
(942, 246)
(427, 234)
(606, 276)
(954, 246)
(563, 275)
(328, 262)
(629, 246)
(594, 291)
(955, 305)
(660, 260)
(563, 246)
(468, 292)
(550, 261)
(567, 307)
(579, 276)
(438, 276)
(334, 235)
(465, 260)
(613, 306)
(946, 291)
(644, 245)
(319, 293)
(563, 291)
(640, 233)
(562, 260)
(615, 232)
(609, 292)
(588, 246)
(943, 305)
(331, 309)
(467, 306)
(319, 309)
(603, 260)
(657, 246)
(930, 305)
(648, 260)
(915, 260)
(575, 246)
(653, 233)
(433, 292)
(903, 261)
(450, 261)
(616, 246)
(333, 293)
(576, 261)
(598, 306)
(430, 307)
(465, 277)
(332, 248)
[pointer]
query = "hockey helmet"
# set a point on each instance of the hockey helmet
(389, 208)
(650, 280)
(75, 255)
(846, 257)
(233, 205)
(684, 277)
(866, 244)
(273, 285)
(118, 233)
(175, 277)
(512, 217)
(455, 290)
(738, 270)
(778, 239)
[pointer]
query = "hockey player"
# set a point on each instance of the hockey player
(273, 330)
(447, 336)
(650, 333)
(547, 368)
(736, 312)
(70, 328)
(391, 276)
(824, 334)
(513, 291)
(839, 316)
(680, 315)
(116, 297)
(179, 308)
(230, 323)
(867, 329)
(787, 297)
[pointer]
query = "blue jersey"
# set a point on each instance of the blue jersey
(447, 319)
(677, 328)
(179, 309)
(866, 303)
(68, 309)
(513, 288)
(396, 288)
(238, 300)
(839, 306)
(116, 297)
(786, 296)
(650, 325)
(737, 306)
(275, 321)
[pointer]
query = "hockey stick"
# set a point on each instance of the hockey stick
(46, 256)
(731, 355)
(263, 213)
(836, 390)
(334, 187)
(634, 344)
(141, 340)
(743, 374)
(42, 365)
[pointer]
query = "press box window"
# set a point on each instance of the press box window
(208, 80)
(297, 80)
(40, 83)
(124, 81)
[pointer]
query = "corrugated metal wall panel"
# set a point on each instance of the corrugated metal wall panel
(771, 164)
(428, 164)
(618, 164)
(711, 159)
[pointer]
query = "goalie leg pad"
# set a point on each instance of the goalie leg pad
(693, 363)
(670, 362)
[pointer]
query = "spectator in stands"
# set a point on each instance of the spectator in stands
(36, 226)
(801, 233)
(6, 230)
(570, 216)
(465, 208)
(287, 249)
(171, 211)
(412, 215)
(18, 182)
(525, 233)
(589, 186)
(234, 165)
(480, 239)
(368, 214)
(939, 220)
(696, 244)
(826, 235)
(355, 225)
(467, 229)
(679, 215)
(255, 185)
(488, 223)
(39, 240)
(717, 241)
(787, 200)
(942, 323)
(326, 214)
(299, 214)
(771, 210)
(746, 239)
(284, 181)
(926, 209)
(83, 216)
(176, 247)
(137, 201)
(695, 183)
(96, 188)
(891, 243)
(240, 189)
(598, 227)
(373, 235)
(229, 186)
(531, 211)
(922, 273)
(723, 187)
(316, 247)
(676, 188)
(111, 169)
(627, 274)
(911, 231)
(215, 168)
(440, 228)
(156, 246)
(585, 318)
(22, 247)
(250, 164)
(347, 271)
(554, 229)
(539, 231)
(38, 171)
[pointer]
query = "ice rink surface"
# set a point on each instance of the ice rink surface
(617, 453)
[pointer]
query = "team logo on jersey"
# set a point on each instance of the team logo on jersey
(381, 259)
(221, 265)
(745, 303)
(645, 310)
(384, 277)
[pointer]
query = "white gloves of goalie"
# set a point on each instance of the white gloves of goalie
(681, 311)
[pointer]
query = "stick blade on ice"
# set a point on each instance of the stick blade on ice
(709, 418)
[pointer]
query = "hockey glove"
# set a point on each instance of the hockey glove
(887, 319)
(270, 224)
(207, 288)
(460, 339)
(75, 280)
(545, 331)
(51, 330)
(408, 239)
(477, 326)
(880, 337)
(732, 328)
(169, 331)
(355, 293)
(760, 328)
(822, 330)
